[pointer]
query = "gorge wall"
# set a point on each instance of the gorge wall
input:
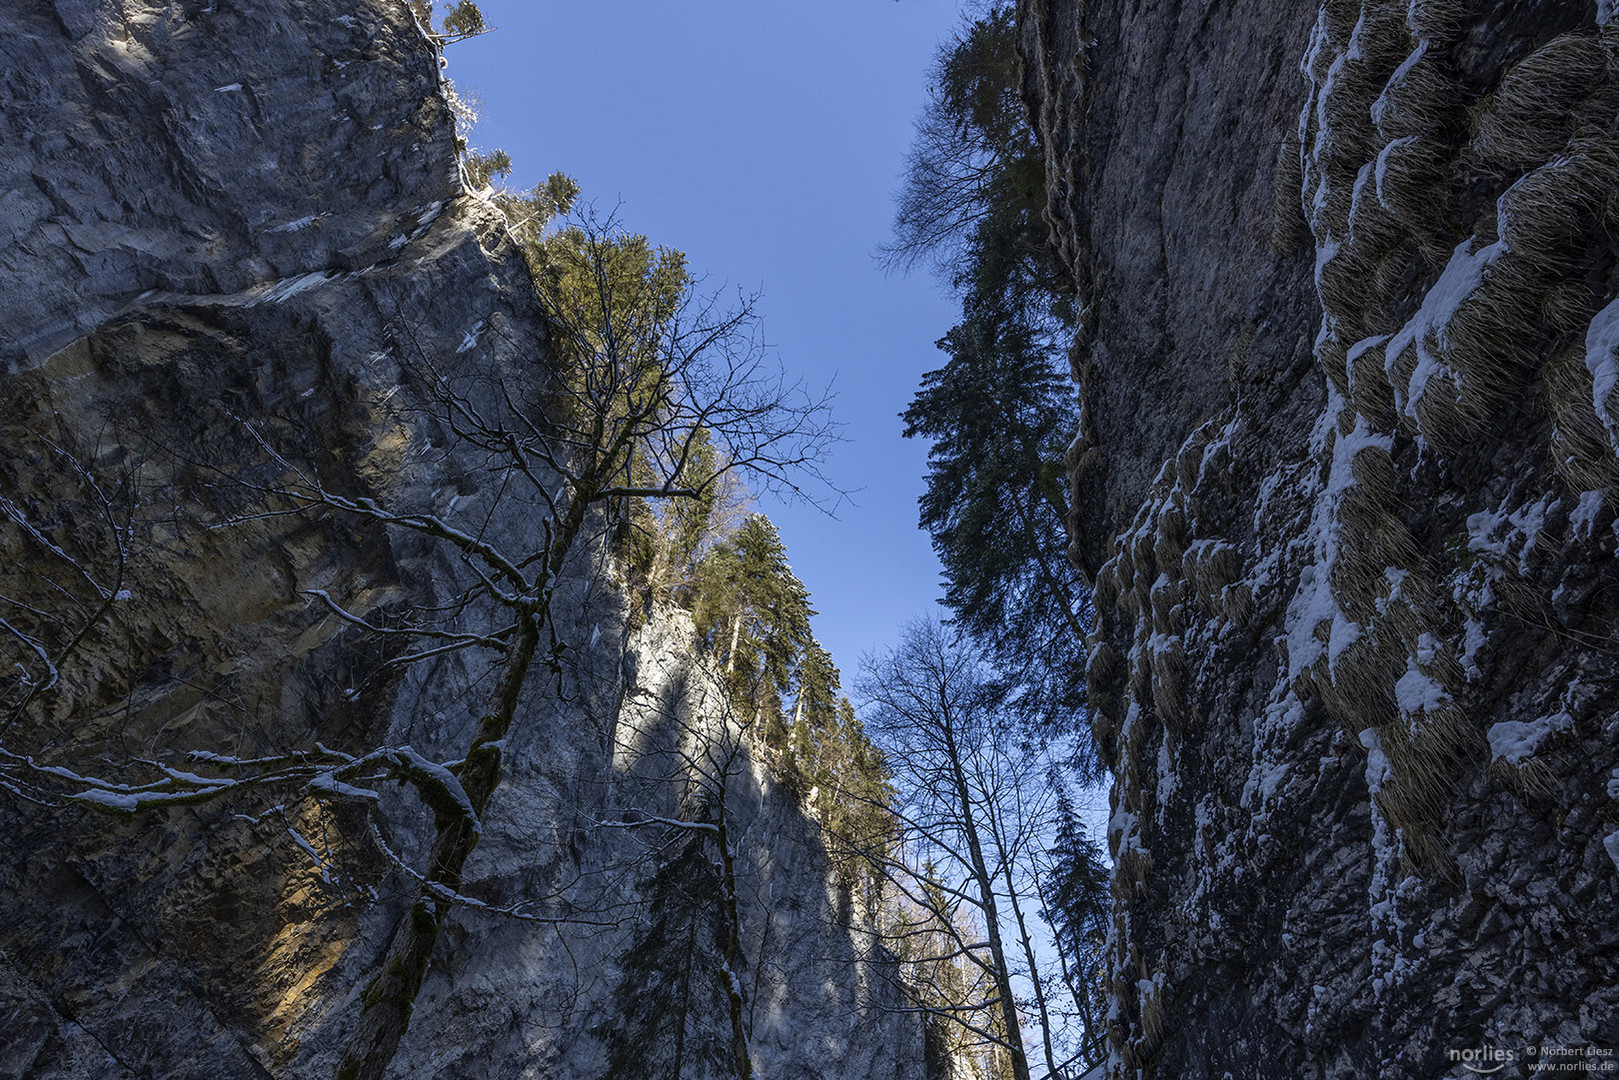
(1345, 487)
(238, 235)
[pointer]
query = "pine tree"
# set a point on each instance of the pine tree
(998, 416)
(1077, 903)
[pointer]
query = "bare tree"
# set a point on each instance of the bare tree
(972, 808)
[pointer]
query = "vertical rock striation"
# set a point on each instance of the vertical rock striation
(1346, 484)
(241, 225)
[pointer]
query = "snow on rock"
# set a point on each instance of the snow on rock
(1601, 345)
(1503, 534)
(1418, 692)
(1582, 520)
(1313, 604)
(1427, 331)
(1515, 741)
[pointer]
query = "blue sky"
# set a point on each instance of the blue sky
(764, 139)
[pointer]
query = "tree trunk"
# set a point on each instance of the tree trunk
(1034, 971)
(741, 1058)
(389, 998)
(992, 923)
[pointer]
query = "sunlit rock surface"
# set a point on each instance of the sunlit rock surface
(240, 225)
(1346, 485)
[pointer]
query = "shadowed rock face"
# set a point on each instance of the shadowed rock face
(1346, 483)
(240, 225)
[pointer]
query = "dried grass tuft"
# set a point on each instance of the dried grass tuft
(1135, 865)
(1420, 99)
(1369, 391)
(1165, 597)
(1547, 216)
(1216, 565)
(1288, 226)
(1189, 459)
(1580, 450)
(1141, 679)
(1569, 306)
(1152, 1021)
(1483, 353)
(1359, 690)
(1169, 675)
(1105, 670)
(1174, 536)
(1144, 561)
(1105, 590)
(1424, 758)
(1237, 603)
(1437, 19)
(1531, 116)
(1531, 776)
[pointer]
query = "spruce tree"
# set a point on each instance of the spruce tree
(753, 613)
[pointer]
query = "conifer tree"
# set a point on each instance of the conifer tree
(998, 416)
(1077, 902)
(752, 611)
(999, 413)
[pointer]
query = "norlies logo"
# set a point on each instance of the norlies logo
(1484, 1060)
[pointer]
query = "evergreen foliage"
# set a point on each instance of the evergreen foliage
(485, 167)
(999, 413)
(975, 176)
(998, 416)
(462, 19)
(1078, 901)
(754, 612)
(753, 616)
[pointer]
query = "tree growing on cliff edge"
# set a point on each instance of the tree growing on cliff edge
(998, 415)
(649, 371)
(751, 610)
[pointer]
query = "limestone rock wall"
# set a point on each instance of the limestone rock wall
(237, 228)
(1345, 482)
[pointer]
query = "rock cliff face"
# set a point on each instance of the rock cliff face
(239, 233)
(1345, 483)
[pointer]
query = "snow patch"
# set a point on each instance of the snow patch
(1513, 741)
(294, 226)
(287, 288)
(1601, 344)
(1583, 518)
(1428, 330)
(470, 341)
(1418, 692)
(1377, 762)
